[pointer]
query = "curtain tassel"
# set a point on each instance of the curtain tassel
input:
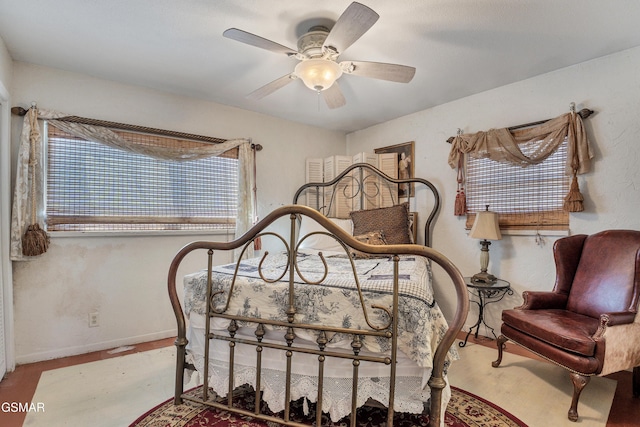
(257, 243)
(573, 201)
(461, 203)
(460, 207)
(35, 241)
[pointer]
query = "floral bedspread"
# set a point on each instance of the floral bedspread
(335, 302)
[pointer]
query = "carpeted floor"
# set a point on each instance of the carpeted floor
(464, 410)
(115, 392)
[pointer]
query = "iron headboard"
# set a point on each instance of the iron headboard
(363, 178)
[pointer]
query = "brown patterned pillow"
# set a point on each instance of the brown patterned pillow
(392, 221)
(370, 238)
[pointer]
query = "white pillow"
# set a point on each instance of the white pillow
(321, 242)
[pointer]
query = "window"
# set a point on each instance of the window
(528, 198)
(93, 187)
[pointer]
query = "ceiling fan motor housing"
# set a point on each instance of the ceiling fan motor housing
(310, 44)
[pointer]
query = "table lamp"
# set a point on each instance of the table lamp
(485, 227)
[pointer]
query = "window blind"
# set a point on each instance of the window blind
(525, 198)
(93, 187)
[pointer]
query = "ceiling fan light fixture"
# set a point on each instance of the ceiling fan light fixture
(318, 74)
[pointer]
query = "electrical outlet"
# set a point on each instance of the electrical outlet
(93, 319)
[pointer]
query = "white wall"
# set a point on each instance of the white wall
(124, 278)
(609, 85)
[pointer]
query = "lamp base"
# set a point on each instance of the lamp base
(484, 277)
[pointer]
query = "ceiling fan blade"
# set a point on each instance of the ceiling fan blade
(379, 70)
(269, 88)
(350, 26)
(333, 96)
(257, 41)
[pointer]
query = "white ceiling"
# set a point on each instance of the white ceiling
(458, 47)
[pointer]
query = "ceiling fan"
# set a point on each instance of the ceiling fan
(318, 52)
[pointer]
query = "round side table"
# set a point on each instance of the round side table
(483, 294)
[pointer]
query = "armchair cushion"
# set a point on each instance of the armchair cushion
(575, 362)
(564, 329)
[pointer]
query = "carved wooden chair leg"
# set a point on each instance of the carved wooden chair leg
(579, 383)
(636, 381)
(500, 343)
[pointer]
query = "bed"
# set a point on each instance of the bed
(343, 315)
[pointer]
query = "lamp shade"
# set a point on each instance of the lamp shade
(486, 226)
(318, 74)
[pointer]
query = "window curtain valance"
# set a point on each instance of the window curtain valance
(28, 204)
(502, 145)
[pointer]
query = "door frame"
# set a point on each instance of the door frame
(6, 276)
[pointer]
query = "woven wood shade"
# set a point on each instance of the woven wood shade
(93, 187)
(526, 198)
(555, 220)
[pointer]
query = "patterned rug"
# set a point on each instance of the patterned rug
(464, 410)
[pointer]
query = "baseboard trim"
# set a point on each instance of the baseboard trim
(99, 346)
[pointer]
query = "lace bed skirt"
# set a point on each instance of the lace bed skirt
(411, 395)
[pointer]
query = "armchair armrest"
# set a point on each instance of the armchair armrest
(613, 319)
(619, 318)
(543, 300)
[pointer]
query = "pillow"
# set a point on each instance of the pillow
(370, 238)
(392, 221)
(321, 242)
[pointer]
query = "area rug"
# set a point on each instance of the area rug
(464, 410)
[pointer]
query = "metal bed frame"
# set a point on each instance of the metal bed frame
(358, 174)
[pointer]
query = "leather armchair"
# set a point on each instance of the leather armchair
(589, 323)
